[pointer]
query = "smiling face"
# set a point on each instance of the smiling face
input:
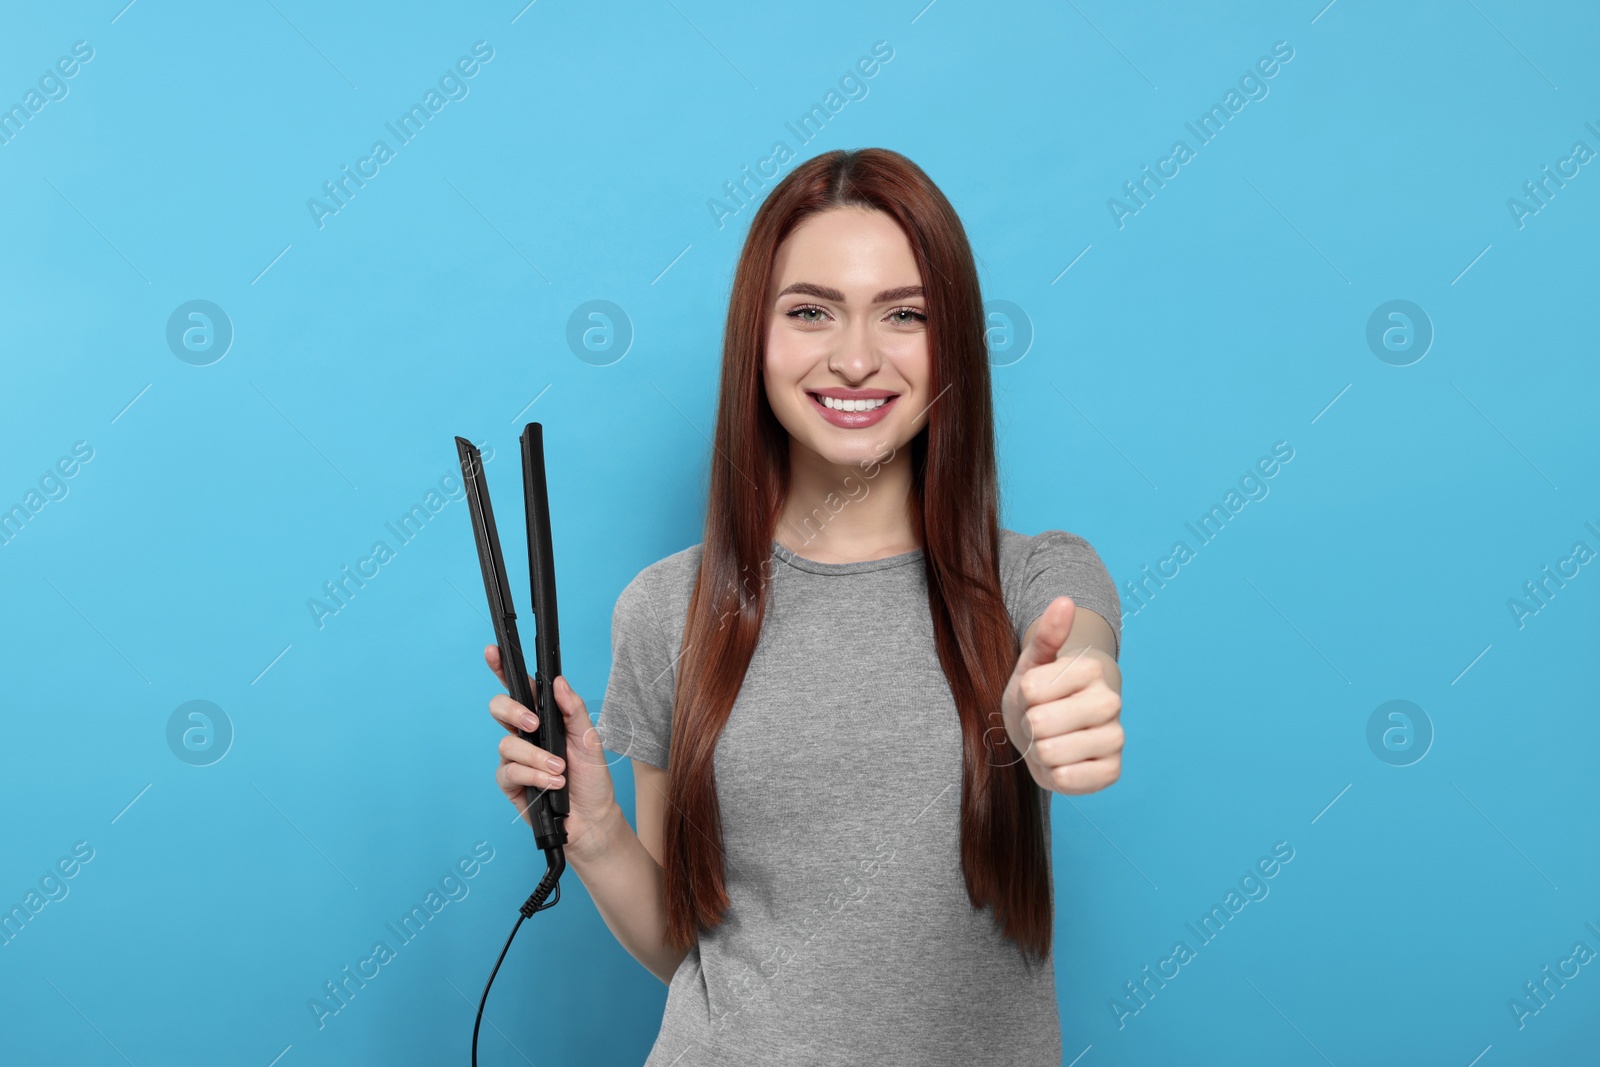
(847, 360)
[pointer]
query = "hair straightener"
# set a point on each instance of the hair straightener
(547, 808)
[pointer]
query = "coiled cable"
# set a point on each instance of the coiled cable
(536, 902)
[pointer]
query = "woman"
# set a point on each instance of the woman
(847, 707)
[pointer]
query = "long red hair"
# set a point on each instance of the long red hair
(955, 505)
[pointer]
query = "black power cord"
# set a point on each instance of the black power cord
(536, 902)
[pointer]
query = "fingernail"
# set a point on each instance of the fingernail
(557, 764)
(529, 722)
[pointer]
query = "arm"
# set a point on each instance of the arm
(1062, 707)
(622, 872)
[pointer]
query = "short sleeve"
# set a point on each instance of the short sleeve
(636, 715)
(1063, 564)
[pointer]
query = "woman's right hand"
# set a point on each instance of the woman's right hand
(523, 764)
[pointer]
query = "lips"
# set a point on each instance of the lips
(854, 420)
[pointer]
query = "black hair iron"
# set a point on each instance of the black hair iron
(547, 808)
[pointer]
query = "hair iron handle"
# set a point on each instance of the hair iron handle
(552, 732)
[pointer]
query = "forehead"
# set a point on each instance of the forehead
(848, 248)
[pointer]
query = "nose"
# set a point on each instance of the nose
(856, 357)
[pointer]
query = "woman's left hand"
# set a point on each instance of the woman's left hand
(1063, 714)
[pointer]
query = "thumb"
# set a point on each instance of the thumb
(575, 714)
(1049, 635)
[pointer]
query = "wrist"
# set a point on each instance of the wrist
(599, 836)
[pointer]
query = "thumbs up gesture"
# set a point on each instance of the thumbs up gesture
(1062, 714)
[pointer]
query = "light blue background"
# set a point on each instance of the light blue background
(1228, 314)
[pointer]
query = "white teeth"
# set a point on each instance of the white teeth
(852, 405)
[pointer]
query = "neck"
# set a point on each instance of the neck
(842, 513)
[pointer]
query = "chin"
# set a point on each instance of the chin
(860, 452)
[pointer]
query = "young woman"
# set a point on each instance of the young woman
(848, 707)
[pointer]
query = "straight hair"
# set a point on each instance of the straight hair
(955, 512)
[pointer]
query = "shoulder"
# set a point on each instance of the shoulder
(1019, 550)
(659, 594)
(646, 634)
(1037, 568)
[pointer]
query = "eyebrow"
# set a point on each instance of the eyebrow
(823, 292)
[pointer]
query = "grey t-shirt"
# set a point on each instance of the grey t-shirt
(849, 937)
